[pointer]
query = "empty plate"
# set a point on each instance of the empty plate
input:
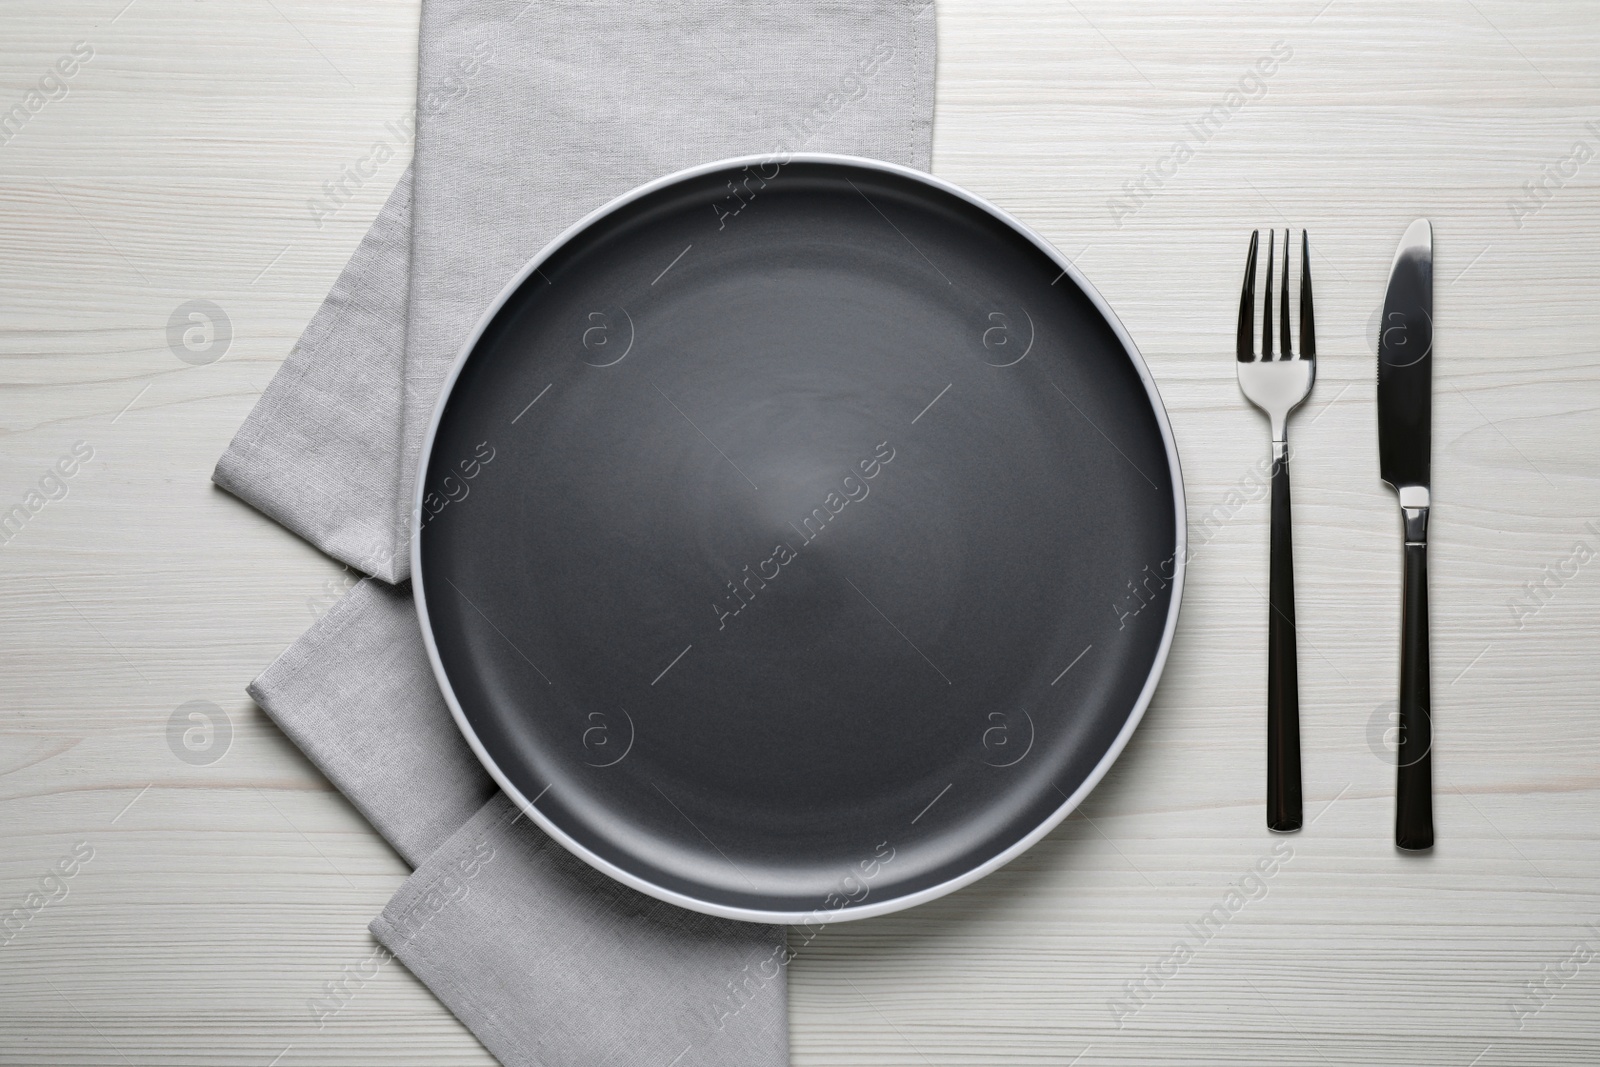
(799, 538)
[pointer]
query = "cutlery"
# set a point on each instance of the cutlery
(1405, 435)
(1277, 386)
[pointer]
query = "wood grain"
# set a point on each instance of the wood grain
(220, 897)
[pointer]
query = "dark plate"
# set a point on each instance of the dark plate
(799, 540)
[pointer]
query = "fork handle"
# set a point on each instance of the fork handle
(1413, 815)
(1283, 675)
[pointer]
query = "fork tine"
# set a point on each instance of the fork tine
(1283, 319)
(1308, 329)
(1246, 350)
(1266, 311)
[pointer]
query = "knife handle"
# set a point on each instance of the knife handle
(1283, 676)
(1413, 814)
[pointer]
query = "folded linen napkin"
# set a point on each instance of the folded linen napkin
(531, 114)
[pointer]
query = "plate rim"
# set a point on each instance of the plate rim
(848, 912)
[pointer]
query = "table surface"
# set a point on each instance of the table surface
(218, 898)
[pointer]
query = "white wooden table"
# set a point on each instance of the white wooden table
(217, 898)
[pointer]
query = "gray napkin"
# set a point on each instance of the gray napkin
(550, 962)
(319, 452)
(531, 114)
(357, 695)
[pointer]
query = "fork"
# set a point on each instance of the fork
(1277, 386)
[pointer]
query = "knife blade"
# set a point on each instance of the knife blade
(1405, 363)
(1405, 443)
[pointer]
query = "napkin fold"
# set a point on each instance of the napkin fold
(357, 695)
(319, 451)
(531, 113)
(550, 962)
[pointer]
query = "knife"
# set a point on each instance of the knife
(1405, 435)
